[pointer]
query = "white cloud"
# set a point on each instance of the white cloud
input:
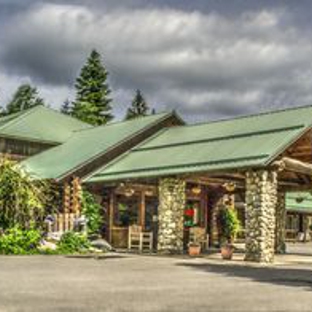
(200, 63)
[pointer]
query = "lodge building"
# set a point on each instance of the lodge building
(169, 177)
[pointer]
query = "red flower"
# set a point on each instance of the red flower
(189, 212)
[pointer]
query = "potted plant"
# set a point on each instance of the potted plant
(229, 227)
(194, 249)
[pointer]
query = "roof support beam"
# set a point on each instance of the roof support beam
(293, 165)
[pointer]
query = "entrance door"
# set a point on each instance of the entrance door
(151, 217)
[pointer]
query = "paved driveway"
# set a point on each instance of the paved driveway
(149, 283)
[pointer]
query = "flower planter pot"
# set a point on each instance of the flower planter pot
(227, 252)
(194, 250)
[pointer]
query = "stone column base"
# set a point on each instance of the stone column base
(171, 215)
(261, 199)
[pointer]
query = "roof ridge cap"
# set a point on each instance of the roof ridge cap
(250, 115)
(123, 121)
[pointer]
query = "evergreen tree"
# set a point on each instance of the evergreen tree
(138, 108)
(92, 102)
(25, 97)
(2, 112)
(66, 107)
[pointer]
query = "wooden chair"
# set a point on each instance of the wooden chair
(139, 240)
(198, 234)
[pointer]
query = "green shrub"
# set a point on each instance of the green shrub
(229, 224)
(72, 242)
(16, 241)
(92, 210)
(22, 199)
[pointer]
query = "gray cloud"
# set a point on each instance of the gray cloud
(221, 61)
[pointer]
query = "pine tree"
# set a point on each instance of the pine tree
(25, 97)
(66, 107)
(138, 108)
(92, 102)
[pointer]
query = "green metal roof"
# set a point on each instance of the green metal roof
(40, 124)
(248, 141)
(299, 202)
(86, 145)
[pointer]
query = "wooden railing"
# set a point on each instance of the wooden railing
(62, 222)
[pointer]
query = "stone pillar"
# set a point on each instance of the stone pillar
(171, 215)
(261, 200)
(280, 229)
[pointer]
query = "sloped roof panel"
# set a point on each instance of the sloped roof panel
(85, 145)
(228, 144)
(40, 124)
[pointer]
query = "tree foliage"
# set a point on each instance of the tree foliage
(93, 104)
(92, 210)
(229, 224)
(138, 108)
(22, 199)
(25, 97)
(66, 107)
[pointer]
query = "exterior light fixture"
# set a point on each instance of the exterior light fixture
(196, 190)
(129, 192)
(230, 187)
(149, 193)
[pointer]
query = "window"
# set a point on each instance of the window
(126, 210)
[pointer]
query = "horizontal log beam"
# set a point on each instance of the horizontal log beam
(215, 181)
(293, 165)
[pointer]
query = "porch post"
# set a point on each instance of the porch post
(306, 231)
(76, 195)
(261, 199)
(66, 197)
(280, 232)
(142, 209)
(171, 215)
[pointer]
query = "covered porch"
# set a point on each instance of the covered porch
(171, 207)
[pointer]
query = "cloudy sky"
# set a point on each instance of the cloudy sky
(205, 58)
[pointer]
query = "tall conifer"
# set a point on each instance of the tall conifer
(25, 97)
(93, 104)
(138, 107)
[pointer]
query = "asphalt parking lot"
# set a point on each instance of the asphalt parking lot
(122, 282)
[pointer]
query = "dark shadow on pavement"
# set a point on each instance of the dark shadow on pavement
(97, 257)
(278, 276)
(300, 254)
